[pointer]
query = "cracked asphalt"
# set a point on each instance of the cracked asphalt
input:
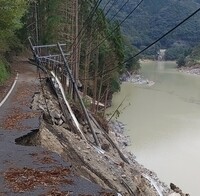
(32, 170)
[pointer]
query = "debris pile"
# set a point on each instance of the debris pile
(109, 165)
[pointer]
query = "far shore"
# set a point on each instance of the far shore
(151, 60)
(194, 70)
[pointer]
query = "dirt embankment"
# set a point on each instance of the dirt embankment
(33, 170)
(194, 70)
(110, 166)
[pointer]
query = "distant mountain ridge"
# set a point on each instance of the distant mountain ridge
(153, 18)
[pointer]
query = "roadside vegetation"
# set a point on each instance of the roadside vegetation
(97, 45)
(191, 59)
(11, 12)
(4, 74)
(102, 45)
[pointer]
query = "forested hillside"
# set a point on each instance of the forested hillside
(97, 50)
(154, 18)
(10, 21)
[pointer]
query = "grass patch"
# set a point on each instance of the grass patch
(4, 73)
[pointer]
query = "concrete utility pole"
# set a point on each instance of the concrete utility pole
(78, 96)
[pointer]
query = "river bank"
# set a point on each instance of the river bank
(123, 141)
(194, 70)
(136, 79)
(162, 123)
(111, 167)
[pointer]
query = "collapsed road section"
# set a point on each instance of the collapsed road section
(25, 168)
(80, 136)
(59, 147)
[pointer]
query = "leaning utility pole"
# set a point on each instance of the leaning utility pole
(74, 83)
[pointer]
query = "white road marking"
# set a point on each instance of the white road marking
(10, 91)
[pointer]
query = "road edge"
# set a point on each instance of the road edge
(10, 91)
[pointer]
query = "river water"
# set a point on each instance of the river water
(163, 122)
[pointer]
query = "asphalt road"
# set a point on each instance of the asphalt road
(32, 170)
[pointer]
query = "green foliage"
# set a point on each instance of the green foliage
(177, 52)
(116, 42)
(194, 57)
(132, 64)
(115, 84)
(195, 54)
(99, 48)
(181, 61)
(3, 71)
(154, 18)
(11, 12)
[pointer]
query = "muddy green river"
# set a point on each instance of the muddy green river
(163, 122)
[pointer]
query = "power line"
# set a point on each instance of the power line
(106, 5)
(137, 54)
(104, 15)
(105, 38)
(114, 2)
(114, 14)
(179, 24)
(118, 11)
(88, 19)
(95, 20)
(110, 7)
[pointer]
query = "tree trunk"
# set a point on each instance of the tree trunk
(87, 64)
(95, 79)
(100, 89)
(106, 100)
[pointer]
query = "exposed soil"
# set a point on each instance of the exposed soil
(53, 159)
(194, 70)
(31, 170)
(107, 168)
